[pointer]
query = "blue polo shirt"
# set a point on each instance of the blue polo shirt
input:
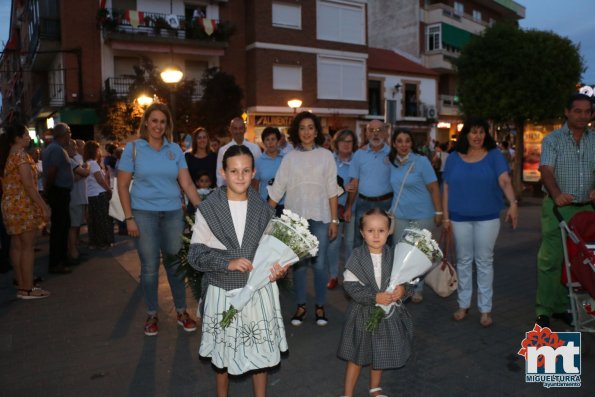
(155, 186)
(416, 200)
(266, 169)
(372, 169)
(343, 171)
(474, 193)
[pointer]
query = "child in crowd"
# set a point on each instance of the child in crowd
(366, 277)
(203, 184)
(226, 234)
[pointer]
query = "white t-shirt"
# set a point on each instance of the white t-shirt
(94, 188)
(239, 210)
(376, 263)
(308, 179)
(254, 148)
(78, 194)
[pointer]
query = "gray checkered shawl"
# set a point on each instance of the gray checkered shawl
(390, 345)
(214, 262)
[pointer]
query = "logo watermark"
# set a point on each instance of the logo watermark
(552, 358)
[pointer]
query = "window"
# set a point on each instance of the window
(287, 15)
(124, 66)
(477, 15)
(338, 21)
(459, 8)
(374, 98)
(287, 77)
(340, 78)
(411, 101)
(434, 39)
(194, 70)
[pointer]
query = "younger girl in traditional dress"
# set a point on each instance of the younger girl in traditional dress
(366, 277)
(227, 230)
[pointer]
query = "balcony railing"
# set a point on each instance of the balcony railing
(157, 24)
(120, 86)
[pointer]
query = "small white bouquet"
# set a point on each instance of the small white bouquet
(414, 255)
(286, 240)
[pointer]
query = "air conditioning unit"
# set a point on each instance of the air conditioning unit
(431, 112)
(390, 115)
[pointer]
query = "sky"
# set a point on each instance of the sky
(574, 19)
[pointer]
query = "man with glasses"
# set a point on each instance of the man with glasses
(370, 173)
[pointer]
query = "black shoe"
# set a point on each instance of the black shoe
(321, 319)
(543, 321)
(564, 316)
(298, 317)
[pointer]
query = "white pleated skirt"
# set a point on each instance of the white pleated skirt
(255, 338)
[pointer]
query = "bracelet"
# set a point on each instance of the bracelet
(129, 218)
(438, 213)
(335, 221)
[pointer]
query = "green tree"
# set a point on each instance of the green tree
(512, 75)
(221, 100)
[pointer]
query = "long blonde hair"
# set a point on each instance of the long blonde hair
(169, 127)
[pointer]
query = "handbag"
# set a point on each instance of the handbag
(391, 213)
(443, 277)
(115, 205)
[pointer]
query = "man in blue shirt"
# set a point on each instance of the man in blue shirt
(370, 173)
(58, 181)
(567, 172)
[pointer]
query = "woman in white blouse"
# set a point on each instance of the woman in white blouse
(308, 178)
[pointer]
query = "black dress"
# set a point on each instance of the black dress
(208, 164)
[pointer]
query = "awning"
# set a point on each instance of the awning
(454, 37)
(84, 116)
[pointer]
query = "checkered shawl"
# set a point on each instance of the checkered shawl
(214, 262)
(390, 345)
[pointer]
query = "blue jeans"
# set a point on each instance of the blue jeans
(402, 224)
(320, 230)
(361, 206)
(475, 242)
(160, 233)
(344, 234)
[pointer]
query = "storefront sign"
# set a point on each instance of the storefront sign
(272, 121)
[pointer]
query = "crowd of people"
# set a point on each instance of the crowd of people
(358, 195)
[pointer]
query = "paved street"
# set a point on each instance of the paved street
(87, 338)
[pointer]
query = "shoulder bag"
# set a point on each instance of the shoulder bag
(443, 277)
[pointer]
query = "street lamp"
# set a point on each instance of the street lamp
(294, 104)
(143, 100)
(172, 75)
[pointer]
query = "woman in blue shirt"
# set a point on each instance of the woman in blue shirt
(416, 201)
(475, 180)
(268, 164)
(153, 208)
(344, 144)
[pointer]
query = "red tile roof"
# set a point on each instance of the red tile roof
(389, 61)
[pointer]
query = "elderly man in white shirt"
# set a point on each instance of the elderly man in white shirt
(237, 129)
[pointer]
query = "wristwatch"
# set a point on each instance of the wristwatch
(335, 221)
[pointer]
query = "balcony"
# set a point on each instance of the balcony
(120, 87)
(155, 27)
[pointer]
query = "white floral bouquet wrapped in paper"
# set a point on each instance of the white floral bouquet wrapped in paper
(414, 255)
(285, 241)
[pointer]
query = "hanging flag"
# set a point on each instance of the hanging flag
(210, 25)
(135, 18)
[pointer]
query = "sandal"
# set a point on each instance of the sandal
(486, 320)
(298, 317)
(460, 314)
(321, 319)
(33, 293)
(376, 390)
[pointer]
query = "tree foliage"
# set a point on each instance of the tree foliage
(221, 100)
(512, 75)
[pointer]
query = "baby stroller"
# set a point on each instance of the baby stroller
(578, 239)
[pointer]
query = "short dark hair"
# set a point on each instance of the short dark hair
(392, 155)
(270, 131)
(577, 97)
(472, 122)
(374, 211)
(340, 136)
(237, 150)
(294, 128)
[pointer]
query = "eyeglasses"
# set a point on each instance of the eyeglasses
(375, 130)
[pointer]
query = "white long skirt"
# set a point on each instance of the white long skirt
(254, 339)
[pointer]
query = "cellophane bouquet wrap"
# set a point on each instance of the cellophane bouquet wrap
(414, 255)
(285, 241)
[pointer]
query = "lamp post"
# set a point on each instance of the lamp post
(294, 104)
(144, 100)
(172, 76)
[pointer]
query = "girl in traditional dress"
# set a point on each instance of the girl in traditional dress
(227, 230)
(366, 277)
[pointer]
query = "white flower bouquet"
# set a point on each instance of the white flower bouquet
(414, 255)
(285, 241)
